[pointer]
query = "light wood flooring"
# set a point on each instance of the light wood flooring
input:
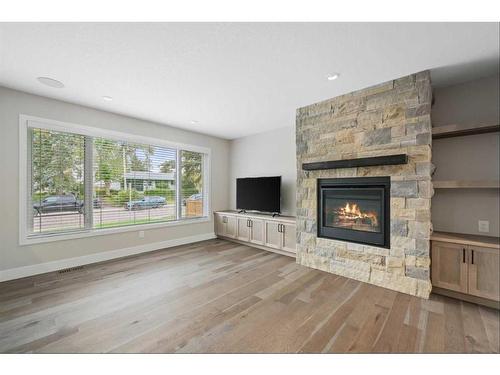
(220, 297)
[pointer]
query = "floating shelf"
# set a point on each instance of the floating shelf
(449, 131)
(462, 184)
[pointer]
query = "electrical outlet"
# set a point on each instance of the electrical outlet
(141, 234)
(484, 226)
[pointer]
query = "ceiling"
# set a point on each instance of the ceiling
(234, 79)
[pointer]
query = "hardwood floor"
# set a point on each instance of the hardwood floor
(220, 297)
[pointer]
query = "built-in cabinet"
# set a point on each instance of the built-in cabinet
(449, 266)
(226, 226)
(469, 265)
(270, 233)
(466, 266)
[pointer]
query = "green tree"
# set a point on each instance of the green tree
(113, 159)
(191, 169)
(137, 164)
(57, 162)
(168, 166)
(108, 157)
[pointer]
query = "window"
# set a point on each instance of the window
(80, 179)
(191, 184)
(133, 183)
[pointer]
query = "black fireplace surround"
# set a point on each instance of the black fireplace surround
(355, 210)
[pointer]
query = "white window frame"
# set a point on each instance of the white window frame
(27, 121)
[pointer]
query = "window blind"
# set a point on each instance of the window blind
(57, 181)
(133, 184)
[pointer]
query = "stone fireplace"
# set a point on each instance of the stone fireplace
(364, 184)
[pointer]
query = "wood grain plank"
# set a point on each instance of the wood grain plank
(218, 296)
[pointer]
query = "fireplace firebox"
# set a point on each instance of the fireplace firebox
(355, 210)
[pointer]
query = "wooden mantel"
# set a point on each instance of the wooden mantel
(359, 162)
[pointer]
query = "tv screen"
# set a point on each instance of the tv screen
(259, 194)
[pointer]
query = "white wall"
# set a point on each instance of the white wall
(13, 103)
(266, 154)
(467, 158)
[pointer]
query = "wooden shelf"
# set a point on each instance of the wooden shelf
(467, 239)
(463, 184)
(449, 131)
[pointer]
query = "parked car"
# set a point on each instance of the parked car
(58, 203)
(97, 202)
(146, 202)
(194, 197)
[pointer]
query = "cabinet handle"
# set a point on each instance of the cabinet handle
(472, 256)
(282, 228)
(463, 255)
(279, 228)
(250, 223)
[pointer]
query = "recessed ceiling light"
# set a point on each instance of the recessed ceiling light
(333, 76)
(194, 122)
(51, 82)
(107, 98)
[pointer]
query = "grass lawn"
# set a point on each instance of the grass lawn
(121, 223)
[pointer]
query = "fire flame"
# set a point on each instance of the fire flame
(352, 211)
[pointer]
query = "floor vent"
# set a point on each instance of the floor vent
(72, 269)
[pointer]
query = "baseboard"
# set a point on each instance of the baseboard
(251, 244)
(467, 297)
(36, 269)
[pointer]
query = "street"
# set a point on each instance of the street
(105, 217)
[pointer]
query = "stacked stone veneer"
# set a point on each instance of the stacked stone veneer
(390, 118)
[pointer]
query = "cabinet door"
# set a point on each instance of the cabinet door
(243, 232)
(449, 266)
(230, 226)
(272, 235)
(289, 237)
(257, 231)
(484, 270)
(219, 225)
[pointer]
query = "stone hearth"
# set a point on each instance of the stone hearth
(388, 119)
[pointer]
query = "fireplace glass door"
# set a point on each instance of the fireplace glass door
(354, 209)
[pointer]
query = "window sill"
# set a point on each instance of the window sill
(36, 239)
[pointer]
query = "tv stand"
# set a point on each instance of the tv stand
(266, 232)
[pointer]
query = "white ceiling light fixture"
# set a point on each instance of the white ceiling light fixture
(194, 122)
(51, 82)
(333, 76)
(107, 98)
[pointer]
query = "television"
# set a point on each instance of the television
(259, 194)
